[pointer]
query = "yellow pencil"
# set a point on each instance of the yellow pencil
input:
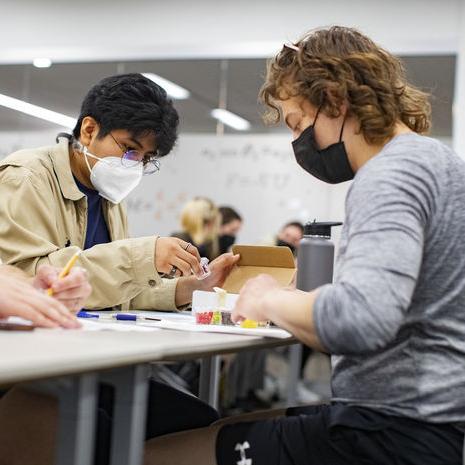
(65, 271)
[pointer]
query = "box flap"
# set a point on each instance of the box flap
(278, 262)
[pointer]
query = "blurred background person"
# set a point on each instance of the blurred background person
(200, 221)
(231, 224)
(290, 235)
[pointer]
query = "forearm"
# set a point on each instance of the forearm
(292, 310)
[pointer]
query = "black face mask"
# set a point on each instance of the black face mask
(286, 244)
(330, 165)
(225, 242)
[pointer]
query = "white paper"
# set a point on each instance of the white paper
(93, 324)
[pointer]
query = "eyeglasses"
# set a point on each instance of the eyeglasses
(132, 158)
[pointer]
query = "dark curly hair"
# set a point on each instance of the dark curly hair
(340, 65)
(133, 103)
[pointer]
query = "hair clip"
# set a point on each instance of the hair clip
(292, 47)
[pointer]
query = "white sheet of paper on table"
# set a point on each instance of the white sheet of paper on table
(104, 325)
(193, 326)
(181, 321)
(185, 321)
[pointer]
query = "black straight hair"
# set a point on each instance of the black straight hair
(133, 103)
(228, 214)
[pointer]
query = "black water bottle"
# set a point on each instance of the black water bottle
(315, 257)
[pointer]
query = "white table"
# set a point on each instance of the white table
(72, 362)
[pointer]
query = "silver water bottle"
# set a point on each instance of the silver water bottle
(315, 257)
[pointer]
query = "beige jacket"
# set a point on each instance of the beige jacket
(43, 219)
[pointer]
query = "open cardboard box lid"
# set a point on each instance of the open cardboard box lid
(278, 262)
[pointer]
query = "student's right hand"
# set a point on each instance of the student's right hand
(173, 252)
(19, 298)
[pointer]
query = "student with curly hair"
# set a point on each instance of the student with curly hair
(393, 320)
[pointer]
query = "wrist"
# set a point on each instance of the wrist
(271, 304)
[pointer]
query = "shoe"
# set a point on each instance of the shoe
(305, 395)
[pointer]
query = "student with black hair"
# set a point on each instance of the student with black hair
(67, 196)
(56, 199)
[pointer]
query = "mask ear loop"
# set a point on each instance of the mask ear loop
(85, 153)
(77, 145)
(342, 129)
(317, 113)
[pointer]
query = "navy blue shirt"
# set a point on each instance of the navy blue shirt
(97, 230)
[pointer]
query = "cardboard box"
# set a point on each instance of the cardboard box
(277, 262)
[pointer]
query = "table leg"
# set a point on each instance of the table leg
(209, 380)
(77, 398)
(130, 409)
(295, 357)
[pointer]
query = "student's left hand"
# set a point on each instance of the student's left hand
(255, 299)
(72, 290)
(220, 269)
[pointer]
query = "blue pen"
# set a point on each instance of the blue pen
(84, 314)
(116, 316)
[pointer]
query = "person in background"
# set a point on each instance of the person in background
(290, 236)
(393, 320)
(231, 224)
(200, 220)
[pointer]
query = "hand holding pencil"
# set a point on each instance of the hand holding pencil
(70, 285)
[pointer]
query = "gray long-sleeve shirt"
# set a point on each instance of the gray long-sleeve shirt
(394, 318)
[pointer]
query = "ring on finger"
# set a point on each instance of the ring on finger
(187, 246)
(172, 272)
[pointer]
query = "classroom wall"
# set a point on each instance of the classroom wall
(181, 28)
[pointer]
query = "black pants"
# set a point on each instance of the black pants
(339, 435)
(168, 411)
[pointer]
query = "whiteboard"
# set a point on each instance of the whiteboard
(255, 174)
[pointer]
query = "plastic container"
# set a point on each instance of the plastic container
(213, 308)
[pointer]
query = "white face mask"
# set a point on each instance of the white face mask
(112, 180)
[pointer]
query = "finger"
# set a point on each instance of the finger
(51, 309)
(62, 317)
(184, 268)
(80, 292)
(236, 316)
(32, 314)
(74, 305)
(47, 274)
(77, 278)
(191, 260)
(192, 249)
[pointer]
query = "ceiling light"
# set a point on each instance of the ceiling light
(42, 62)
(230, 119)
(38, 112)
(172, 89)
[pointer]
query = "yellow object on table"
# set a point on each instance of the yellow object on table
(249, 324)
